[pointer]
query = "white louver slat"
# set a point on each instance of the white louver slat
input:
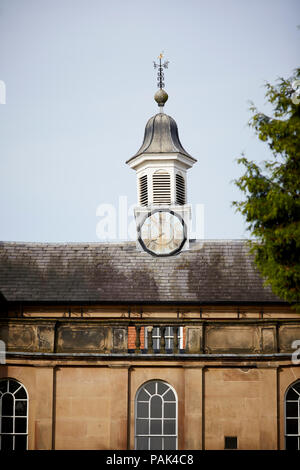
(180, 190)
(143, 191)
(161, 188)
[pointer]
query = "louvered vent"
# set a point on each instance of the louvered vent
(161, 188)
(144, 191)
(180, 190)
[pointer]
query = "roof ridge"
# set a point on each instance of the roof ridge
(125, 242)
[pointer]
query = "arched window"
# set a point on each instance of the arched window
(292, 416)
(13, 415)
(161, 187)
(156, 417)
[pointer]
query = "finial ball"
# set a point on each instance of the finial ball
(161, 96)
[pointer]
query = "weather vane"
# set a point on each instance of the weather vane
(160, 73)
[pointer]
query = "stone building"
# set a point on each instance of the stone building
(166, 343)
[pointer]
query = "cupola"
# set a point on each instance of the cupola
(161, 164)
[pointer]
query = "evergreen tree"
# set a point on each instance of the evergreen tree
(272, 205)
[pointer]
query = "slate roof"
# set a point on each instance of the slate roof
(161, 136)
(210, 272)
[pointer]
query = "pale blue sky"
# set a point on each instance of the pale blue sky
(80, 84)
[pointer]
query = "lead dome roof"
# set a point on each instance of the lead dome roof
(161, 136)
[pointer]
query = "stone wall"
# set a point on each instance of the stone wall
(82, 382)
(103, 336)
(91, 406)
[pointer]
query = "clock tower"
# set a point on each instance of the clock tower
(161, 164)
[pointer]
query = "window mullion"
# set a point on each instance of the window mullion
(155, 416)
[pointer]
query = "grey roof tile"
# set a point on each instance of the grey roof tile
(211, 271)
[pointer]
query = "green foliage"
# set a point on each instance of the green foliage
(272, 203)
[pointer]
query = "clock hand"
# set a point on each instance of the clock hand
(160, 235)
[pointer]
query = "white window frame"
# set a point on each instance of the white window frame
(168, 337)
(162, 435)
(13, 416)
(286, 418)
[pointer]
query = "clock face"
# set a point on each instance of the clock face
(162, 233)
